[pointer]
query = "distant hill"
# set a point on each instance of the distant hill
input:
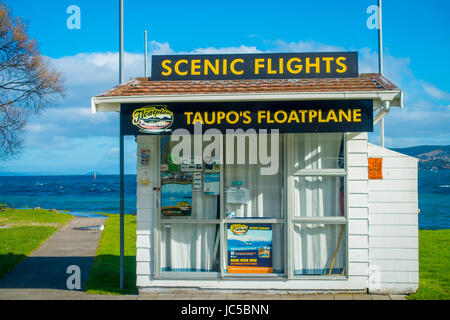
(419, 150)
(430, 157)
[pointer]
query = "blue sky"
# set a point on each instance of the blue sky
(416, 39)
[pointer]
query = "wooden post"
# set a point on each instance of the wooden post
(337, 248)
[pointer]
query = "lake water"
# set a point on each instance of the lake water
(434, 199)
(84, 196)
(80, 194)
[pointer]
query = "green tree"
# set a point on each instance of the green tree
(28, 84)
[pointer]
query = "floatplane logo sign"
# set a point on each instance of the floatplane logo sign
(153, 119)
(285, 116)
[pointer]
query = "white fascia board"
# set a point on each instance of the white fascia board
(93, 105)
(108, 107)
(105, 104)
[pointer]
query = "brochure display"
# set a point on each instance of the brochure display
(249, 248)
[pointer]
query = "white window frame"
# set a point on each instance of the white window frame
(292, 173)
(287, 222)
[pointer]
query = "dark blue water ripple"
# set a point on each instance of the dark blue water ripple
(74, 193)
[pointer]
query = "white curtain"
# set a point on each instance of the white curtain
(191, 247)
(315, 244)
(314, 249)
(264, 192)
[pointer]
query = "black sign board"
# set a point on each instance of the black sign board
(255, 66)
(287, 116)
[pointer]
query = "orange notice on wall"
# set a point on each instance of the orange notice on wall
(375, 168)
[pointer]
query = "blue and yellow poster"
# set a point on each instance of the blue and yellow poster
(176, 194)
(249, 248)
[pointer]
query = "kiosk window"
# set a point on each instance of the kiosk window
(319, 249)
(318, 151)
(248, 194)
(189, 190)
(321, 196)
(317, 196)
(189, 230)
(227, 217)
(190, 247)
(253, 200)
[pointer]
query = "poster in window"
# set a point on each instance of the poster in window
(249, 248)
(211, 184)
(176, 194)
(145, 156)
(237, 195)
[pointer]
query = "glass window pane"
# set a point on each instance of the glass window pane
(254, 248)
(189, 247)
(183, 193)
(319, 196)
(318, 151)
(260, 195)
(253, 176)
(319, 249)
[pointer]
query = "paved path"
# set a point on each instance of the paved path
(51, 294)
(46, 267)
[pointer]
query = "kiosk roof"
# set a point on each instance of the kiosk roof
(147, 87)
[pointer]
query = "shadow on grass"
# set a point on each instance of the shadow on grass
(104, 277)
(8, 262)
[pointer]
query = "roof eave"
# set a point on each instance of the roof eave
(112, 103)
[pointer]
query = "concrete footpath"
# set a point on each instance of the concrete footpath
(49, 294)
(44, 274)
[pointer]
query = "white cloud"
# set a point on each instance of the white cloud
(98, 67)
(112, 152)
(158, 48)
(56, 142)
(435, 92)
(303, 46)
(212, 50)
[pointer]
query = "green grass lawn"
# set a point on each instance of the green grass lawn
(28, 217)
(434, 265)
(104, 277)
(23, 231)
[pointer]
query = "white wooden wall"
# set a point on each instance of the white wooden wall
(357, 208)
(145, 216)
(393, 224)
